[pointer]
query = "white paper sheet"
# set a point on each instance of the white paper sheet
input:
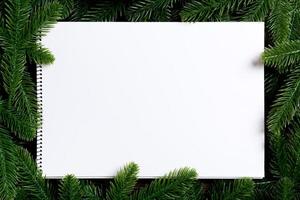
(163, 95)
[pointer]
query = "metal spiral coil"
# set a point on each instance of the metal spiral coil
(40, 113)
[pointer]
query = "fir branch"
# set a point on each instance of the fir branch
(16, 81)
(264, 189)
(79, 11)
(214, 10)
(69, 188)
(8, 168)
(296, 172)
(21, 116)
(295, 33)
(91, 192)
(21, 194)
(241, 189)
(27, 101)
(280, 21)
(285, 106)
(196, 192)
(172, 186)
(106, 10)
(16, 16)
(123, 183)
(151, 10)
(12, 69)
(293, 150)
(40, 54)
(43, 18)
(211, 10)
(31, 179)
(285, 189)
(67, 7)
(286, 148)
(283, 55)
(257, 10)
(18, 123)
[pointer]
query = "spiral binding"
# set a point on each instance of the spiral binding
(39, 90)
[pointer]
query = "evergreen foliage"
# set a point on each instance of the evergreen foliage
(70, 189)
(31, 180)
(285, 189)
(238, 189)
(8, 170)
(257, 10)
(151, 10)
(283, 56)
(172, 186)
(286, 104)
(211, 10)
(23, 22)
(106, 10)
(124, 183)
(280, 21)
(91, 192)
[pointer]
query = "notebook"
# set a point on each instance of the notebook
(162, 95)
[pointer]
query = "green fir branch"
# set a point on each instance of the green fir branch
(18, 124)
(283, 56)
(106, 10)
(21, 194)
(257, 10)
(295, 33)
(280, 21)
(31, 179)
(241, 189)
(264, 189)
(16, 16)
(40, 54)
(150, 10)
(8, 167)
(91, 192)
(123, 183)
(172, 186)
(286, 104)
(285, 190)
(69, 188)
(67, 7)
(196, 192)
(43, 18)
(286, 148)
(211, 10)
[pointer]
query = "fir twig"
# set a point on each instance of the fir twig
(69, 188)
(172, 186)
(285, 106)
(8, 169)
(123, 183)
(283, 56)
(31, 179)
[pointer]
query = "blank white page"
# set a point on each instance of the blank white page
(162, 95)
